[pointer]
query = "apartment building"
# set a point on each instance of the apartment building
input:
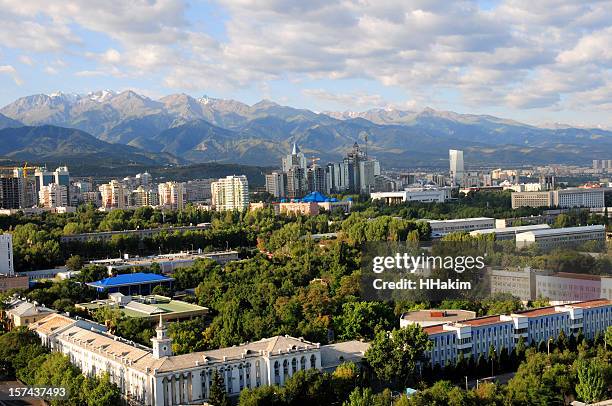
(172, 195)
(474, 337)
(231, 193)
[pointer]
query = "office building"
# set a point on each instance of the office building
(295, 159)
(474, 337)
(297, 182)
(172, 195)
(230, 193)
(567, 237)
(568, 287)
(276, 184)
(6, 255)
(155, 376)
(563, 198)
(508, 233)
(11, 192)
(518, 282)
(425, 195)
(457, 169)
(53, 195)
(317, 179)
(440, 228)
(141, 233)
(114, 195)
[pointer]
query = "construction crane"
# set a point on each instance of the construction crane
(26, 168)
(314, 160)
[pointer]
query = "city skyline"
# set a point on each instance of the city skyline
(536, 64)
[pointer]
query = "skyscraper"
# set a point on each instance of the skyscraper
(230, 193)
(114, 195)
(456, 166)
(276, 184)
(295, 158)
(172, 195)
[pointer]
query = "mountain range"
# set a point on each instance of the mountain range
(182, 129)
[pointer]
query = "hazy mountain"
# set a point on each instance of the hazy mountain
(6, 122)
(208, 129)
(67, 144)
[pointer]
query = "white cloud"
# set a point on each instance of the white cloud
(12, 72)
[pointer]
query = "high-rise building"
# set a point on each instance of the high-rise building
(295, 158)
(297, 183)
(143, 179)
(6, 255)
(172, 195)
(10, 192)
(369, 169)
(231, 193)
(276, 184)
(456, 166)
(145, 196)
(198, 190)
(53, 195)
(114, 195)
(317, 181)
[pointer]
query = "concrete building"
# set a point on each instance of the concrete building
(145, 196)
(172, 195)
(426, 195)
(114, 195)
(231, 193)
(563, 198)
(508, 233)
(474, 337)
(6, 255)
(299, 208)
(295, 159)
(157, 377)
(517, 282)
(198, 190)
(276, 184)
(140, 233)
(428, 317)
(53, 195)
(568, 237)
(457, 169)
(440, 228)
(13, 282)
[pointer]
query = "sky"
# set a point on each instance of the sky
(541, 61)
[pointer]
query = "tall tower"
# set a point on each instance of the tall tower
(456, 166)
(162, 344)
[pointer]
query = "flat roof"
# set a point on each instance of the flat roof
(442, 315)
(460, 220)
(565, 230)
(130, 279)
(513, 229)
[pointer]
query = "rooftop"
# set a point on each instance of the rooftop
(564, 230)
(130, 279)
(514, 229)
(441, 315)
(461, 220)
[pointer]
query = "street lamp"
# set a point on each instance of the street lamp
(548, 344)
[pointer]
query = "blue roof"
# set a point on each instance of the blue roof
(317, 197)
(130, 279)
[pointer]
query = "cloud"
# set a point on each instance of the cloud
(12, 72)
(518, 53)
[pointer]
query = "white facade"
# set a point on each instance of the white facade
(564, 198)
(158, 378)
(172, 195)
(6, 255)
(562, 237)
(53, 195)
(426, 195)
(508, 233)
(231, 193)
(457, 169)
(442, 227)
(114, 195)
(474, 337)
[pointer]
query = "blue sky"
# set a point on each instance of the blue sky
(538, 62)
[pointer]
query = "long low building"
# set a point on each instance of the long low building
(567, 237)
(140, 233)
(474, 337)
(156, 377)
(424, 195)
(562, 198)
(138, 283)
(168, 263)
(508, 233)
(440, 228)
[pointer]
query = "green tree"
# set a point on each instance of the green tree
(360, 397)
(75, 263)
(393, 356)
(100, 391)
(363, 319)
(218, 396)
(591, 385)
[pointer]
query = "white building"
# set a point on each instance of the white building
(508, 233)
(6, 255)
(172, 195)
(562, 237)
(156, 377)
(474, 337)
(114, 195)
(231, 193)
(53, 195)
(442, 227)
(426, 195)
(457, 169)
(563, 198)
